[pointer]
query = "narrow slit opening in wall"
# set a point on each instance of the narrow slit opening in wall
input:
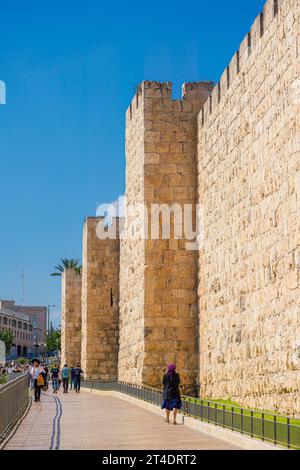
(249, 43)
(237, 62)
(210, 104)
(219, 92)
(228, 77)
(111, 298)
(130, 111)
(137, 100)
(275, 8)
(261, 22)
(202, 117)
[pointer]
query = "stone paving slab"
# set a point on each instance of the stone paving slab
(88, 421)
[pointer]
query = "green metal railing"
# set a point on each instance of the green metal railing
(274, 428)
(14, 399)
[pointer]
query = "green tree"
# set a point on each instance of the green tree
(67, 263)
(53, 340)
(7, 337)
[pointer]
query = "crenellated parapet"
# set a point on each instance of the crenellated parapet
(269, 17)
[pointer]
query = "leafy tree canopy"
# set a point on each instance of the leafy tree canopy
(66, 264)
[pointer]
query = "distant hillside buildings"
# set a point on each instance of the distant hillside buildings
(28, 324)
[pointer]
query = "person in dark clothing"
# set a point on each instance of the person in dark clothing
(65, 375)
(72, 378)
(77, 378)
(54, 377)
(171, 393)
(45, 375)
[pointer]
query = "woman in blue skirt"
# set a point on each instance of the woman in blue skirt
(171, 394)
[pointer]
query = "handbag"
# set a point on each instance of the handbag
(40, 381)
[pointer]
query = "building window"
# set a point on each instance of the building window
(4, 320)
(30, 327)
(19, 324)
(24, 326)
(14, 323)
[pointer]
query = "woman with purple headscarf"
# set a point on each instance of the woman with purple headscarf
(171, 393)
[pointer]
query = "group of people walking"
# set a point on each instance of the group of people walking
(72, 376)
(40, 376)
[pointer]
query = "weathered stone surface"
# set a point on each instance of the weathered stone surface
(228, 315)
(100, 304)
(160, 154)
(71, 318)
(248, 162)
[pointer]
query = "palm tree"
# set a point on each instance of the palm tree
(66, 264)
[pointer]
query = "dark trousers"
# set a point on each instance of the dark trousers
(37, 390)
(65, 384)
(72, 383)
(77, 384)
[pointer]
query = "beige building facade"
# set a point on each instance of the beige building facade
(21, 328)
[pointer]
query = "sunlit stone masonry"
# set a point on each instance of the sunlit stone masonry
(228, 312)
(158, 277)
(100, 304)
(71, 317)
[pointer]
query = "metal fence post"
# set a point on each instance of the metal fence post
(251, 424)
(275, 430)
(215, 414)
(232, 416)
(242, 421)
(223, 416)
(263, 426)
(288, 432)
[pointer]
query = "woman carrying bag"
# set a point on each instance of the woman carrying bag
(36, 372)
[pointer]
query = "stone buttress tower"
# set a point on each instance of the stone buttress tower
(158, 277)
(71, 317)
(100, 303)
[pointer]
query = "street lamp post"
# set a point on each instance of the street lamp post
(48, 319)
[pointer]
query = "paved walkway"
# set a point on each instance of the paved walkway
(90, 421)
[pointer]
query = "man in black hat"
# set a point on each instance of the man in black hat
(36, 372)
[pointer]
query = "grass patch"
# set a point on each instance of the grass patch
(3, 379)
(248, 420)
(268, 415)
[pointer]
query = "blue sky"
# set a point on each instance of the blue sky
(71, 69)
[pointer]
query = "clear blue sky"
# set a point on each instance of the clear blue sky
(71, 69)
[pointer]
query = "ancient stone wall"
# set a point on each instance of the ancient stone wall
(158, 309)
(248, 166)
(132, 252)
(100, 303)
(71, 318)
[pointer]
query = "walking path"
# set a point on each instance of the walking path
(89, 421)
